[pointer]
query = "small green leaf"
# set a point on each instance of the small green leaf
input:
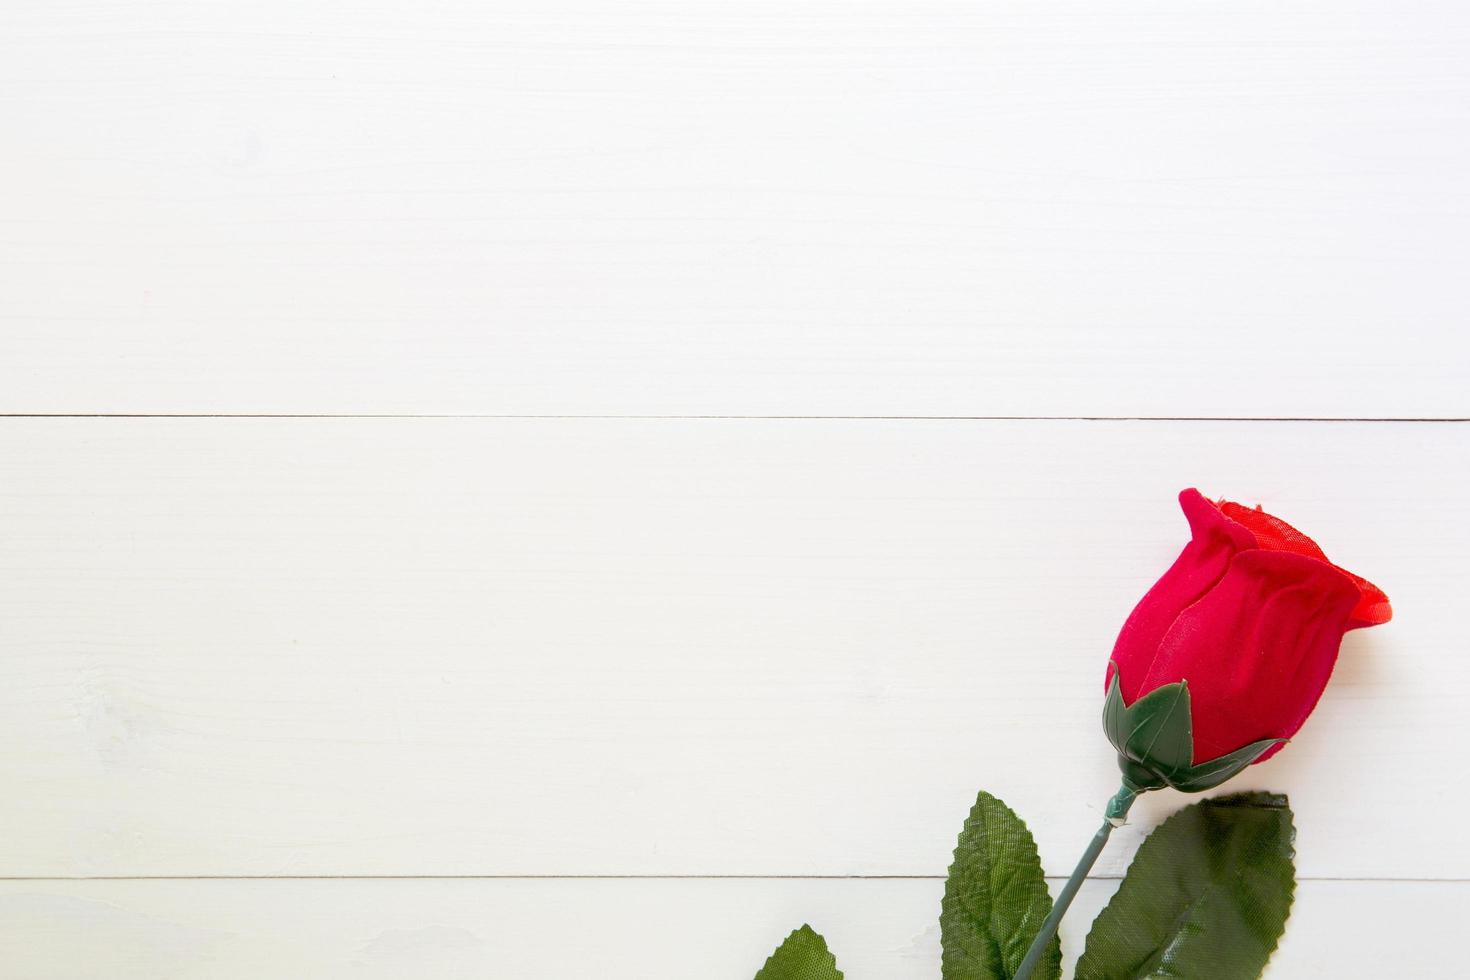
(1207, 896)
(803, 956)
(995, 899)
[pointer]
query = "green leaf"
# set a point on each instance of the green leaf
(995, 899)
(803, 956)
(1207, 896)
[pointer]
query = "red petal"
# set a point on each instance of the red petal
(1257, 650)
(1274, 534)
(1202, 563)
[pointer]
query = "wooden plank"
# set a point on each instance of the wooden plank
(724, 207)
(303, 647)
(634, 929)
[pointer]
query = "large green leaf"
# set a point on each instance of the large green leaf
(803, 956)
(1205, 899)
(995, 899)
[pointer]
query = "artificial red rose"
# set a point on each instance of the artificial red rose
(1219, 664)
(1250, 617)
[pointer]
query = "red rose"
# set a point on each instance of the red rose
(1249, 618)
(1220, 663)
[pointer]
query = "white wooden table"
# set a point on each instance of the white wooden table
(574, 489)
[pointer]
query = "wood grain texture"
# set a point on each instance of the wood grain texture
(613, 930)
(316, 647)
(725, 207)
(722, 647)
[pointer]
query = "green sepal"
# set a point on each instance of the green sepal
(1208, 775)
(1154, 737)
(803, 956)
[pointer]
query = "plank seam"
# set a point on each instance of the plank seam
(738, 418)
(594, 877)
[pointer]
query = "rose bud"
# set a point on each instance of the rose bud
(1227, 654)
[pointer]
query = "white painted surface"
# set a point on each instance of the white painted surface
(490, 647)
(779, 648)
(727, 207)
(613, 930)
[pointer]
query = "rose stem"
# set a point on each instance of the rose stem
(1117, 809)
